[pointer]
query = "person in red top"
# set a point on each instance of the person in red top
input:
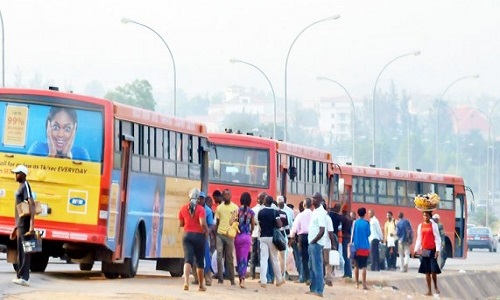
(192, 218)
(429, 242)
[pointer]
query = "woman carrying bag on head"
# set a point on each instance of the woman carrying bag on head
(429, 242)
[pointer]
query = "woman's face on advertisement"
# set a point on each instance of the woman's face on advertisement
(61, 128)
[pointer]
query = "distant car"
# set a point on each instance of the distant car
(469, 225)
(482, 238)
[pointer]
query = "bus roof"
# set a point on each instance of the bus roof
(148, 117)
(400, 174)
(245, 140)
(122, 111)
(54, 94)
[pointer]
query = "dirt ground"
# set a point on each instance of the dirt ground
(172, 289)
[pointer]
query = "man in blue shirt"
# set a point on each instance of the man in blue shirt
(405, 238)
(210, 223)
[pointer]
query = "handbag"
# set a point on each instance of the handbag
(426, 253)
(279, 239)
(333, 258)
(23, 208)
(233, 230)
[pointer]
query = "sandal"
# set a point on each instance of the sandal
(202, 289)
(186, 287)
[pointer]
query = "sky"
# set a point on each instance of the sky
(72, 43)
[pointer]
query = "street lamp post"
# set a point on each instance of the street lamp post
(3, 51)
(491, 191)
(233, 60)
(437, 114)
(352, 110)
(126, 21)
(415, 53)
(457, 121)
(286, 66)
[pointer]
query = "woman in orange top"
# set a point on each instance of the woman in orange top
(192, 218)
(429, 241)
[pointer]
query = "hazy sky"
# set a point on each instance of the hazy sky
(72, 43)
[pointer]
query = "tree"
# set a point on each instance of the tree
(241, 121)
(138, 93)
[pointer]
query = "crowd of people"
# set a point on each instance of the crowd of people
(223, 227)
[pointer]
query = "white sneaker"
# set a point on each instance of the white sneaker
(21, 281)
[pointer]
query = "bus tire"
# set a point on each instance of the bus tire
(176, 273)
(39, 262)
(86, 266)
(131, 263)
(111, 275)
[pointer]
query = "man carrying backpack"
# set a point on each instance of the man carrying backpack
(405, 238)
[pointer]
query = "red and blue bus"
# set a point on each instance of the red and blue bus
(247, 163)
(394, 190)
(112, 177)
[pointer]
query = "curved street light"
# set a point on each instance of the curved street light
(126, 21)
(352, 109)
(436, 145)
(286, 65)
(234, 60)
(415, 53)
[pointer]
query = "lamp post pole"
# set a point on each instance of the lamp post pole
(352, 110)
(415, 53)
(491, 144)
(126, 21)
(436, 145)
(233, 60)
(3, 51)
(286, 66)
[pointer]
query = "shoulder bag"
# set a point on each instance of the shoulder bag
(279, 239)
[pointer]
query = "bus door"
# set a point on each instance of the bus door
(460, 226)
(122, 210)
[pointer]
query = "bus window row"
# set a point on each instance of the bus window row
(160, 151)
(398, 192)
(305, 176)
(240, 165)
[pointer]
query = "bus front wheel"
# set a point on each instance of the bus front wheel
(39, 262)
(132, 263)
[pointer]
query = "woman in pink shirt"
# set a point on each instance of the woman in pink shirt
(429, 242)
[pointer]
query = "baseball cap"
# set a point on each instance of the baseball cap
(435, 216)
(20, 169)
(202, 194)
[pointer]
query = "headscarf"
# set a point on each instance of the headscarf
(193, 201)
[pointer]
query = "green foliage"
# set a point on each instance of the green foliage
(138, 93)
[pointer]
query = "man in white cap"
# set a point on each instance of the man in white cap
(24, 224)
(442, 253)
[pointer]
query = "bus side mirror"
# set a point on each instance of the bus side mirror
(217, 167)
(341, 186)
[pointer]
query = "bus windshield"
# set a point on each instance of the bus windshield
(50, 130)
(242, 166)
